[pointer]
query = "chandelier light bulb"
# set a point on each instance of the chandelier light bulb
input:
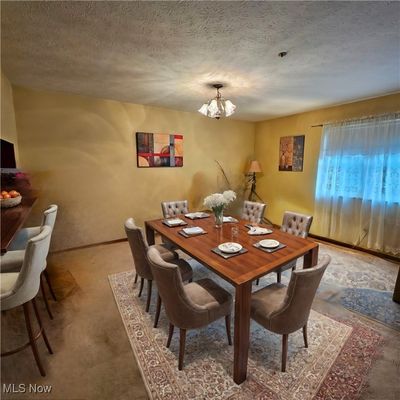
(217, 107)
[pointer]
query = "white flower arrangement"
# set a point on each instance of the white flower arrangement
(218, 201)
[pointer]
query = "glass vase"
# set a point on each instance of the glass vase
(219, 218)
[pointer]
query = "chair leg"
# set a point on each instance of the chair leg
(258, 281)
(46, 275)
(170, 333)
(149, 288)
(228, 328)
(136, 277)
(284, 351)
(39, 320)
(157, 316)
(46, 303)
(305, 336)
(278, 277)
(141, 286)
(182, 342)
(32, 338)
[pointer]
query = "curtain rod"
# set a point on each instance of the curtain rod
(395, 114)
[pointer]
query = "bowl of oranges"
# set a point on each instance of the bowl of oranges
(10, 199)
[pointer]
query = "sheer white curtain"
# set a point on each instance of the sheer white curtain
(357, 197)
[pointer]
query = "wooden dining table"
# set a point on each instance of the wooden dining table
(240, 270)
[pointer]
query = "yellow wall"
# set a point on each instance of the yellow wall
(283, 190)
(8, 127)
(81, 155)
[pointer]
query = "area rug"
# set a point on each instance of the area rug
(359, 282)
(375, 304)
(334, 366)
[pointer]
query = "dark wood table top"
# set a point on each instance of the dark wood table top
(241, 268)
(13, 218)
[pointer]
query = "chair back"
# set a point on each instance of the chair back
(296, 224)
(173, 208)
(295, 309)
(182, 312)
(138, 244)
(253, 211)
(28, 281)
(50, 215)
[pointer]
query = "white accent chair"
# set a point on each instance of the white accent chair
(12, 260)
(21, 288)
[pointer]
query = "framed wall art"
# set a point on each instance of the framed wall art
(291, 153)
(159, 150)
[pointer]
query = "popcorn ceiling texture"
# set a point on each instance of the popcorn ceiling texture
(165, 53)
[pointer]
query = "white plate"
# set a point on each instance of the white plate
(174, 222)
(269, 243)
(230, 247)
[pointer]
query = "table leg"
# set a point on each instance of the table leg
(311, 258)
(242, 332)
(396, 293)
(149, 235)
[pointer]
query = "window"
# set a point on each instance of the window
(359, 178)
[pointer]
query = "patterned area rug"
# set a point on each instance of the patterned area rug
(373, 303)
(334, 366)
(359, 282)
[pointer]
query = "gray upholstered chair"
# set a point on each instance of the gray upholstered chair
(173, 208)
(284, 310)
(20, 289)
(12, 260)
(139, 247)
(253, 211)
(298, 225)
(190, 306)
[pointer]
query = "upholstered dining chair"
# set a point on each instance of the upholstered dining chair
(284, 310)
(298, 225)
(20, 289)
(189, 306)
(12, 260)
(139, 247)
(253, 211)
(173, 208)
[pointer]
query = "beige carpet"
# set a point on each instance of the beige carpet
(334, 366)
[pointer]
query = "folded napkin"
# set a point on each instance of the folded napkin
(198, 214)
(195, 230)
(175, 221)
(257, 230)
(229, 219)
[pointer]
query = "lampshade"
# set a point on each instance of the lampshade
(217, 107)
(255, 166)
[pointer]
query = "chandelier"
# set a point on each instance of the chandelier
(217, 107)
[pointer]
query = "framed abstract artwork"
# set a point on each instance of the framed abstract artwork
(291, 153)
(159, 150)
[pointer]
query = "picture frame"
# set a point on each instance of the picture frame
(158, 150)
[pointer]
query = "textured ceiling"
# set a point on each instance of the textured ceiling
(165, 53)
